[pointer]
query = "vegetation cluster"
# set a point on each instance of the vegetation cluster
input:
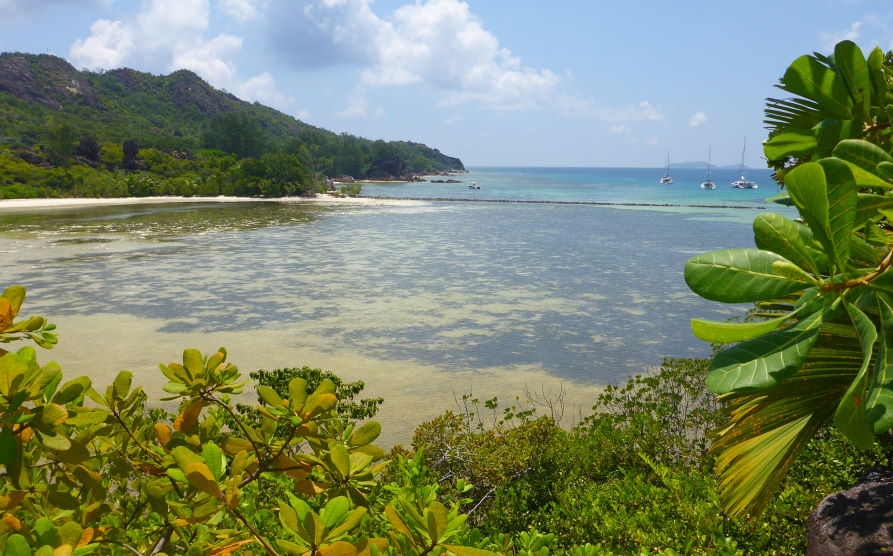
(106, 472)
(127, 133)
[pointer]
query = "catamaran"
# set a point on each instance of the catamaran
(742, 182)
(707, 184)
(666, 177)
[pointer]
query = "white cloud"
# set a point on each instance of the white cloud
(206, 58)
(643, 111)
(109, 45)
(436, 42)
(167, 35)
(620, 128)
(162, 30)
(830, 39)
(262, 88)
(698, 119)
(240, 10)
(651, 141)
(357, 104)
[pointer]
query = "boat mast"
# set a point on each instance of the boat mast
(709, 149)
(667, 168)
(741, 166)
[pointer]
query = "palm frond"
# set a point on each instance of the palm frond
(768, 428)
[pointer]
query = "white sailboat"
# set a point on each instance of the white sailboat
(742, 182)
(707, 184)
(666, 177)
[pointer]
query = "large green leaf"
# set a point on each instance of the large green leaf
(841, 207)
(868, 205)
(825, 195)
(809, 78)
(877, 74)
(851, 417)
(863, 158)
(737, 276)
(335, 511)
(773, 232)
(830, 133)
(852, 67)
(17, 545)
(791, 142)
(880, 395)
(764, 361)
(214, 458)
(729, 332)
(807, 187)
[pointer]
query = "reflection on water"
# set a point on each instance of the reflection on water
(455, 295)
(151, 221)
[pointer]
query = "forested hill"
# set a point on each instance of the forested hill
(180, 113)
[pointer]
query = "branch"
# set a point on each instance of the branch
(862, 280)
(121, 422)
(162, 542)
(269, 549)
(229, 410)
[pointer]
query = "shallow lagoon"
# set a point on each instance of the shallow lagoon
(422, 302)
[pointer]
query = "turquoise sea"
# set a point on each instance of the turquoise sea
(422, 300)
(613, 185)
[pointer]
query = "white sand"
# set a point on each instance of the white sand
(12, 204)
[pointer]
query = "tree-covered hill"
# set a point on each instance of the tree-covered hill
(178, 113)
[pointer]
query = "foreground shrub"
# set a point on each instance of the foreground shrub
(116, 477)
(634, 477)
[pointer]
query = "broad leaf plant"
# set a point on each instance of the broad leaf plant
(84, 471)
(818, 349)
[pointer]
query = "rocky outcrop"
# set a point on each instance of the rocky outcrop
(31, 156)
(88, 148)
(189, 90)
(131, 155)
(392, 168)
(44, 79)
(857, 521)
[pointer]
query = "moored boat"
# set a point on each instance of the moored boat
(742, 182)
(707, 184)
(666, 177)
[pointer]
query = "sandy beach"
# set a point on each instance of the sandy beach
(324, 199)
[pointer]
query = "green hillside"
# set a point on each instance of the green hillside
(46, 106)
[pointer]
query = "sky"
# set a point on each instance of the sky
(504, 83)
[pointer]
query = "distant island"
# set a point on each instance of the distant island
(123, 132)
(684, 165)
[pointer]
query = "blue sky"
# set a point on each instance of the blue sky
(563, 83)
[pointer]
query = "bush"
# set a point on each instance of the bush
(115, 476)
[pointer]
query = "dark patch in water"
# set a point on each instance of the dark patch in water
(80, 240)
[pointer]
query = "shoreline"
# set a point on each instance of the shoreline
(542, 202)
(322, 199)
(72, 202)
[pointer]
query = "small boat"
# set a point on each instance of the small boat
(742, 182)
(474, 185)
(707, 184)
(666, 177)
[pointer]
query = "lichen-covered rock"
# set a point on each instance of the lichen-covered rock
(857, 521)
(44, 79)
